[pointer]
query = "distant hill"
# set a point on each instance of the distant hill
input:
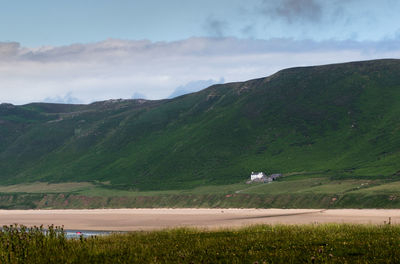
(343, 119)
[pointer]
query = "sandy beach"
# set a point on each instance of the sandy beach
(152, 219)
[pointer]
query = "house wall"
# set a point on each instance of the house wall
(257, 176)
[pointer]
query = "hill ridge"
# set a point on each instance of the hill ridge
(340, 119)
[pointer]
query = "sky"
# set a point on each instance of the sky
(84, 51)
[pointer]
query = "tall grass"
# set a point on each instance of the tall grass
(333, 243)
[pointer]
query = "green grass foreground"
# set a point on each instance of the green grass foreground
(333, 243)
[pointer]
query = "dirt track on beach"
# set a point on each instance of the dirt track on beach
(152, 219)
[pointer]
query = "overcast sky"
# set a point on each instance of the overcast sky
(84, 51)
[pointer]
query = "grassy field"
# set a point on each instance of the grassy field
(291, 191)
(291, 184)
(44, 187)
(333, 243)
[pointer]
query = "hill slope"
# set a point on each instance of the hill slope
(341, 119)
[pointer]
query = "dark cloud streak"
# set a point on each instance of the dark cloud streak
(215, 27)
(305, 11)
(299, 10)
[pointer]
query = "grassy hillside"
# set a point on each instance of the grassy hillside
(338, 120)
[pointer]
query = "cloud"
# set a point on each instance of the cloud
(8, 49)
(137, 95)
(116, 68)
(194, 86)
(293, 11)
(215, 27)
(68, 98)
(248, 30)
(299, 10)
(315, 19)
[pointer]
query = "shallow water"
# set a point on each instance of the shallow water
(85, 233)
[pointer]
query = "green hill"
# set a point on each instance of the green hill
(341, 120)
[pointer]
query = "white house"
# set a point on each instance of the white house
(262, 177)
(257, 176)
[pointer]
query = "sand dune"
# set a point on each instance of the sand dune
(151, 219)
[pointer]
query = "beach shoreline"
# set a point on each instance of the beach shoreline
(213, 218)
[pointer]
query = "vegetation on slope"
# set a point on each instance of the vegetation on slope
(342, 120)
(294, 191)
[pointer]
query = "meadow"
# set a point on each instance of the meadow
(300, 190)
(333, 243)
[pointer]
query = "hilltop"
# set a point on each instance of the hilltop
(340, 120)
